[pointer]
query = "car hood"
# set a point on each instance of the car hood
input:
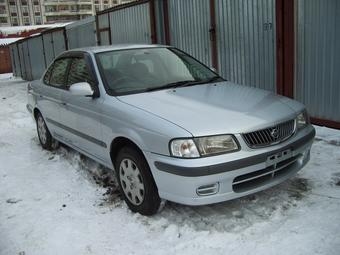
(216, 108)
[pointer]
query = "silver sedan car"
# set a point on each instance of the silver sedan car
(169, 126)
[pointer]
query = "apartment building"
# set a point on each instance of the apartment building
(37, 12)
(20, 12)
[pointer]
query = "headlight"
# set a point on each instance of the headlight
(301, 120)
(184, 148)
(206, 146)
(211, 145)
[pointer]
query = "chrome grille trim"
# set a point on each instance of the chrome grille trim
(270, 136)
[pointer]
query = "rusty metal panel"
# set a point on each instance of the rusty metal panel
(5, 63)
(189, 24)
(37, 59)
(317, 49)
(246, 41)
(131, 25)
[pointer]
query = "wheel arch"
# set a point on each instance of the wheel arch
(118, 143)
(35, 112)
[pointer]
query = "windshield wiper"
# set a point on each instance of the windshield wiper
(171, 85)
(184, 83)
(213, 79)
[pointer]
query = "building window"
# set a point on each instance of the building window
(63, 8)
(86, 7)
(36, 8)
(74, 8)
(13, 9)
(3, 20)
(14, 20)
(11, 3)
(3, 10)
(106, 6)
(97, 7)
(38, 20)
(24, 10)
(26, 21)
(23, 2)
(49, 8)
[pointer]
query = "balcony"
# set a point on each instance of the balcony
(66, 2)
(68, 13)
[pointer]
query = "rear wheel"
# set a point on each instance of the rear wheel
(136, 182)
(45, 137)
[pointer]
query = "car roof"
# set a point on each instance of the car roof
(97, 49)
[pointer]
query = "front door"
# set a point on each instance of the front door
(82, 115)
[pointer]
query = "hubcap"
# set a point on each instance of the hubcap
(131, 181)
(42, 130)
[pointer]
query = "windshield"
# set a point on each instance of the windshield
(141, 70)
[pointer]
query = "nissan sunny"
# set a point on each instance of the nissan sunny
(170, 127)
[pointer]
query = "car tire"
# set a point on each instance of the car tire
(136, 182)
(45, 137)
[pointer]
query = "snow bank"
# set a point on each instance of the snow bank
(63, 203)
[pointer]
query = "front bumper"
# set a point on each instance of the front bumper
(231, 175)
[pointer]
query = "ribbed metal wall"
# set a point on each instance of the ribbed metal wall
(189, 22)
(81, 34)
(103, 23)
(22, 63)
(48, 48)
(15, 60)
(131, 25)
(103, 20)
(25, 61)
(37, 60)
(317, 74)
(246, 41)
(58, 42)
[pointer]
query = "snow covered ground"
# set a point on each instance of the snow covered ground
(64, 203)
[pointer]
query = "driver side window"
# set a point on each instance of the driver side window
(79, 72)
(59, 72)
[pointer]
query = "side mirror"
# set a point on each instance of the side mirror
(81, 89)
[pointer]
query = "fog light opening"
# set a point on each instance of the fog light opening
(304, 157)
(208, 190)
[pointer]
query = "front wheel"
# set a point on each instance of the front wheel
(136, 182)
(45, 137)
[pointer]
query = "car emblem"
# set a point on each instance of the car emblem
(274, 133)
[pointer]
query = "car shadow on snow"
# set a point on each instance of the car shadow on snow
(229, 216)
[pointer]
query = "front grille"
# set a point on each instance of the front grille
(262, 177)
(269, 136)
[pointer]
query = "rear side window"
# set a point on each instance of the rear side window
(48, 75)
(79, 72)
(59, 72)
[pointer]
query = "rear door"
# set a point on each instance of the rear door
(83, 114)
(49, 95)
